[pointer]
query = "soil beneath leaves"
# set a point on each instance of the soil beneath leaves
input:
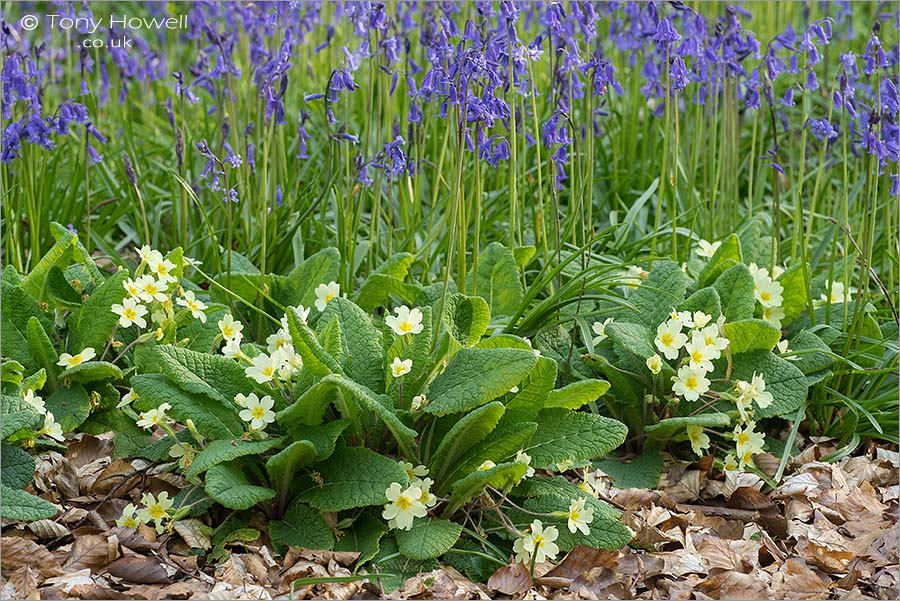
(829, 531)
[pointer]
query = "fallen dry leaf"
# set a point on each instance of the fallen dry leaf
(17, 552)
(511, 579)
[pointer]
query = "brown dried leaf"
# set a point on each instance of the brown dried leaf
(48, 529)
(796, 581)
(25, 582)
(193, 531)
(140, 570)
(512, 579)
(17, 552)
(582, 559)
(93, 551)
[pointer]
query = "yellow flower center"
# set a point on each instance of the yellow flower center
(129, 314)
(228, 331)
(539, 541)
(403, 502)
(406, 326)
(268, 371)
(157, 512)
(747, 457)
(258, 412)
(328, 296)
(691, 382)
(130, 523)
(765, 295)
(709, 340)
(192, 305)
(574, 515)
(667, 339)
(162, 270)
(697, 356)
(76, 360)
(743, 438)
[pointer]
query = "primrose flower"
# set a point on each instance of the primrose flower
(768, 293)
(683, 317)
(837, 293)
(418, 401)
(66, 360)
(36, 402)
(773, 315)
(427, 498)
(129, 518)
(537, 543)
(654, 364)
(132, 288)
(278, 340)
(633, 276)
(195, 306)
(232, 348)
(325, 293)
(403, 506)
(748, 443)
(301, 312)
(156, 509)
(407, 321)
(565, 465)
(579, 516)
(669, 338)
(400, 368)
(128, 398)
(151, 289)
(163, 270)
(525, 459)
(699, 354)
(599, 328)
(701, 319)
(184, 453)
(419, 471)
(230, 328)
(707, 249)
(699, 439)
(590, 483)
(130, 312)
(148, 255)
(710, 337)
(783, 349)
(51, 428)
(690, 383)
(752, 392)
(263, 368)
(486, 466)
(258, 411)
(154, 417)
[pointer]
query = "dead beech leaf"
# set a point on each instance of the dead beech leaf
(119, 474)
(139, 569)
(16, 552)
(581, 559)
(796, 581)
(194, 533)
(93, 551)
(24, 580)
(48, 529)
(512, 579)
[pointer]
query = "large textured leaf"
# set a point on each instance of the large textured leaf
(95, 321)
(476, 376)
(573, 435)
(735, 287)
(667, 428)
(69, 406)
(794, 301)
(363, 537)
(497, 279)
(577, 394)
(632, 344)
(282, 466)
(129, 440)
(213, 376)
(299, 287)
(468, 431)
(706, 300)
(467, 318)
(814, 357)
(17, 467)
(784, 380)
(751, 335)
(727, 256)
(220, 451)
(500, 445)
(34, 281)
(39, 345)
(212, 418)
(18, 309)
(353, 477)
(361, 340)
(18, 415)
(93, 371)
(533, 390)
(654, 299)
(303, 527)
(227, 485)
(502, 476)
(373, 292)
(428, 538)
(19, 505)
(315, 358)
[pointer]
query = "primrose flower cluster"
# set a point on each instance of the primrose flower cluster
(156, 509)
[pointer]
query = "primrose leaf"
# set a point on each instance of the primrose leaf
(503, 476)
(735, 288)
(667, 428)
(315, 358)
(353, 477)
(500, 445)
(533, 391)
(282, 466)
(17, 468)
(214, 376)
(727, 255)
(69, 406)
(497, 279)
(576, 394)
(95, 321)
(20, 506)
(361, 342)
(299, 286)
(468, 431)
(428, 538)
(467, 318)
(227, 485)
(476, 376)
(654, 299)
(93, 371)
(215, 419)
(706, 300)
(303, 527)
(784, 380)
(751, 335)
(220, 451)
(573, 435)
(18, 309)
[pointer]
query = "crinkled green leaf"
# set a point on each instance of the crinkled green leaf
(353, 477)
(654, 299)
(39, 344)
(576, 394)
(282, 466)
(93, 371)
(784, 380)
(573, 435)
(20, 506)
(227, 485)
(428, 538)
(69, 406)
(706, 300)
(727, 255)
(751, 335)
(18, 309)
(499, 446)
(214, 376)
(467, 318)
(95, 322)
(220, 451)
(213, 418)
(813, 357)
(299, 286)
(34, 282)
(302, 527)
(17, 468)
(502, 476)
(669, 427)
(315, 358)
(361, 342)
(466, 383)
(533, 390)
(735, 287)
(468, 431)
(642, 471)
(497, 279)
(363, 537)
(793, 298)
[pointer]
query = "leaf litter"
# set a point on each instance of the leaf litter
(828, 531)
